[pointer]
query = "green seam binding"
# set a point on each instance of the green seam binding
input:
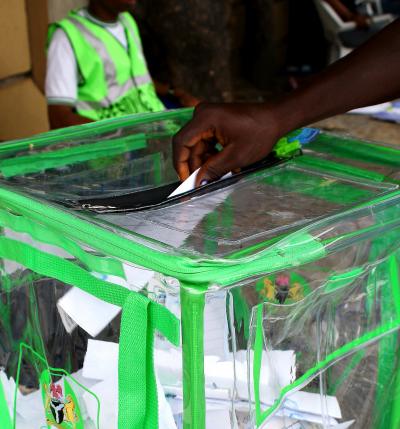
(140, 317)
(344, 169)
(346, 349)
(42, 234)
(184, 268)
(192, 318)
(388, 361)
(85, 152)
(354, 149)
(322, 188)
(94, 129)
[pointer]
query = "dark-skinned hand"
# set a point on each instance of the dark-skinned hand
(247, 133)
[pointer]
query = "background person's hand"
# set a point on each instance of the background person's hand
(247, 133)
(362, 22)
(186, 99)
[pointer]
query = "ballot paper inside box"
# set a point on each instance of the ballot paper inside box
(269, 299)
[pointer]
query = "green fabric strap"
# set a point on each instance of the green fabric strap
(71, 155)
(258, 347)
(99, 264)
(297, 249)
(192, 314)
(140, 318)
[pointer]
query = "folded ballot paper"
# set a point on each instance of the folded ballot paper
(101, 363)
(99, 375)
(189, 183)
(77, 307)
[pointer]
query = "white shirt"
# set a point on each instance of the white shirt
(62, 75)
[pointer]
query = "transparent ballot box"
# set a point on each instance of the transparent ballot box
(269, 299)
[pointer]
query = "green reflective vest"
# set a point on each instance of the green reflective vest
(114, 81)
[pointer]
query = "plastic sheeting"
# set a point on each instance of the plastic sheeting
(269, 299)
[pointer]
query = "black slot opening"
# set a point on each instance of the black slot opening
(157, 197)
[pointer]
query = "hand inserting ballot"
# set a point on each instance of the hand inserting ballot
(246, 132)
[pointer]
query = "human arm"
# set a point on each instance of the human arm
(62, 83)
(64, 116)
(347, 15)
(248, 132)
(186, 99)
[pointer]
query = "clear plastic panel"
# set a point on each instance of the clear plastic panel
(260, 207)
(108, 159)
(337, 349)
(378, 158)
(59, 345)
(275, 328)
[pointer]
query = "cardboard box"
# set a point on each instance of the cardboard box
(37, 29)
(23, 110)
(14, 43)
(58, 9)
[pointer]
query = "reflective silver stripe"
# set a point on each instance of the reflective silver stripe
(143, 80)
(109, 67)
(115, 93)
(133, 33)
(89, 105)
(114, 90)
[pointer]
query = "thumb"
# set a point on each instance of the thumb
(217, 166)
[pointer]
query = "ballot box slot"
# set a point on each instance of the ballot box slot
(159, 196)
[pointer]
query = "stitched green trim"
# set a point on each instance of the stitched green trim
(140, 318)
(336, 355)
(395, 282)
(355, 149)
(258, 347)
(391, 353)
(341, 352)
(298, 248)
(301, 248)
(42, 234)
(93, 128)
(192, 315)
(71, 155)
(318, 186)
(331, 166)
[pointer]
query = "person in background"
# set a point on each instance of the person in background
(352, 11)
(96, 68)
(349, 10)
(248, 132)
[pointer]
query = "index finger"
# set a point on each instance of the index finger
(185, 140)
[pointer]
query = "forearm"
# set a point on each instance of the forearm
(369, 75)
(340, 9)
(64, 116)
(161, 88)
